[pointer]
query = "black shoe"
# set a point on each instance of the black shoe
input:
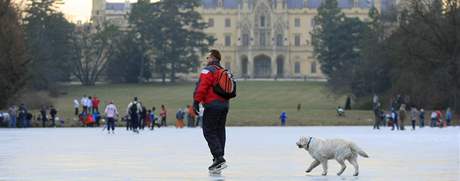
(217, 164)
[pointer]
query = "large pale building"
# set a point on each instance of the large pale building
(270, 38)
(257, 38)
(111, 12)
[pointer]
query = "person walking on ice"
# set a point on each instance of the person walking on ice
(111, 113)
(214, 89)
(133, 111)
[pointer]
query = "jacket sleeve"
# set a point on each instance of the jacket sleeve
(203, 85)
(129, 106)
(139, 107)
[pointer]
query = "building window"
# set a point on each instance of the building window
(244, 65)
(262, 21)
(279, 40)
(297, 68)
(313, 67)
(297, 40)
(210, 22)
(297, 22)
(262, 39)
(228, 23)
(228, 40)
(245, 40)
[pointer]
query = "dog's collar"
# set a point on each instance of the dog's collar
(308, 144)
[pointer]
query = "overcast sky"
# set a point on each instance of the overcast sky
(80, 10)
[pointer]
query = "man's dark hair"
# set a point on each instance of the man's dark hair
(215, 53)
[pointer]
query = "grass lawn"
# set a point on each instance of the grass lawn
(257, 103)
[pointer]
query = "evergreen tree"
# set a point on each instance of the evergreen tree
(48, 37)
(336, 44)
(173, 31)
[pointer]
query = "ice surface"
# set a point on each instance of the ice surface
(252, 153)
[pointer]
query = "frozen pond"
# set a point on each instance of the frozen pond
(253, 153)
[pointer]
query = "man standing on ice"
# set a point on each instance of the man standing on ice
(215, 110)
(111, 113)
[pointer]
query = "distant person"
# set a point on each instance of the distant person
(43, 115)
(84, 103)
(163, 114)
(95, 103)
(97, 118)
(53, 113)
(148, 119)
(439, 120)
(377, 115)
(448, 116)
(434, 119)
(153, 118)
(422, 118)
(348, 103)
(402, 116)
(340, 111)
(22, 116)
(283, 118)
(13, 112)
(375, 99)
(413, 116)
(180, 118)
(394, 119)
(111, 112)
(299, 106)
(143, 117)
(89, 104)
(133, 111)
(76, 105)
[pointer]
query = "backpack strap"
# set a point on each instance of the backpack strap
(212, 68)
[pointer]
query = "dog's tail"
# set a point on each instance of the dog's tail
(358, 150)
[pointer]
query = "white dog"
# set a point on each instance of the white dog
(324, 150)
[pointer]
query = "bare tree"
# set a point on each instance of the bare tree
(92, 50)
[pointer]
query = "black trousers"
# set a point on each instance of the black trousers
(134, 121)
(44, 121)
(214, 118)
(53, 120)
(110, 124)
(377, 122)
(128, 124)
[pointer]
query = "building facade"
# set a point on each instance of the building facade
(270, 38)
(257, 38)
(111, 12)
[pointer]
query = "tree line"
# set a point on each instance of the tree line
(412, 50)
(40, 48)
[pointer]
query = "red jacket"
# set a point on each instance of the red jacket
(96, 102)
(204, 92)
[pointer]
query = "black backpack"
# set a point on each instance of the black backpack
(133, 108)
